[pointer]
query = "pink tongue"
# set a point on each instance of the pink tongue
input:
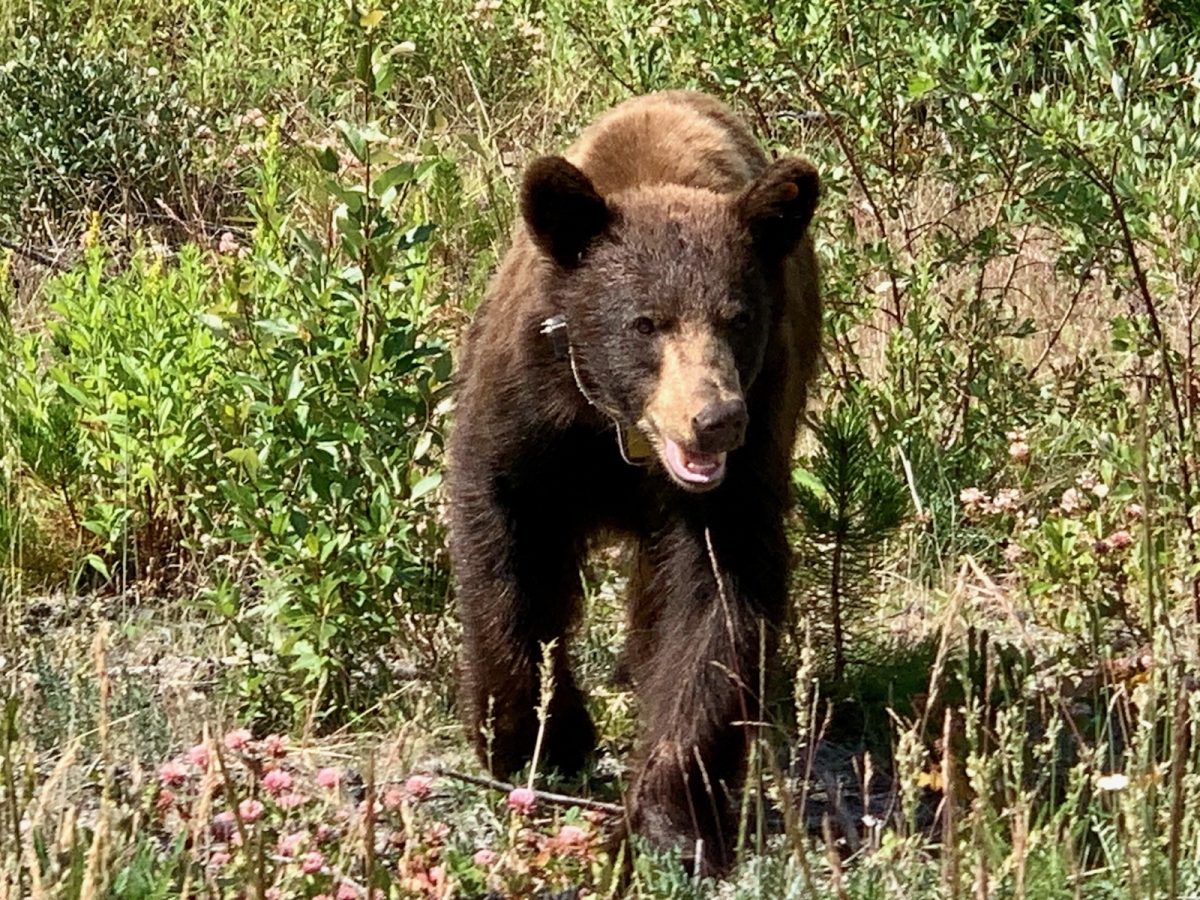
(693, 465)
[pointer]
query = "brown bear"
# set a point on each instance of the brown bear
(638, 368)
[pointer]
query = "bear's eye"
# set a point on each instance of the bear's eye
(644, 325)
(741, 321)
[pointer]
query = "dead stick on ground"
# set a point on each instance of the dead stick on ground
(557, 799)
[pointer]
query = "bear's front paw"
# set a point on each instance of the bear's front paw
(701, 850)
(673, 810)
(570, 735)
(569, 739)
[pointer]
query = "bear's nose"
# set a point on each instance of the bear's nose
(720, 426)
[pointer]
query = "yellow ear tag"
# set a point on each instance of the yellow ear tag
(635, 449)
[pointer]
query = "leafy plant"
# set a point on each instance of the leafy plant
(850, 501)
(84, 129)
(113, 407)
(331, 445)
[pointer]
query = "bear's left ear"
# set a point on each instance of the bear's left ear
(562, 209)
(778, 205)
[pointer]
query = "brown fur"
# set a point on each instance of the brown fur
(680, 259)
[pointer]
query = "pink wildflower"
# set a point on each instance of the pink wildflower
(218, 859)
(329, 778)
(1120, 539)
(972, 497)
(572, 836)
(273, 893)
(419, 786)
(227, 244)
(291, 800)
(224, 826)
(346, 891)
(290, 844)
(325, 833)
(1018, 448)
(485, 858)
(1006, 499)
(238, 739)
(275, 745)
(1134, 511)
(253, 117)
(1072, 501)
(173, 774)
(437, 874)
(522, 800)
(250, 810)
(199, 756)
(164, 801)
(312, 862)
(276, 782)
(393, 797)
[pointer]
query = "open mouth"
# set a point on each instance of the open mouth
(691, 468)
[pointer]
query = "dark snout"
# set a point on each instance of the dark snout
(720, 426)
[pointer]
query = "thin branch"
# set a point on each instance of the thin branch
(601, 58)
(860, 177)
(1058, 329)
(34, 255)
(546, 796)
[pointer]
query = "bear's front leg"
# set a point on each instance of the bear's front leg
(717, 585)
(516, 569)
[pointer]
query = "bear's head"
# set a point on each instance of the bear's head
(670, 294)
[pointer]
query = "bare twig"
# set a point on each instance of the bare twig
(1180, 741)
(860, 177)
(369, 834)
(1058, 329)
(599, 55)
(34, 255)
(545, 796)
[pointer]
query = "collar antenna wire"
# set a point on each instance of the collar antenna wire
(634, 448)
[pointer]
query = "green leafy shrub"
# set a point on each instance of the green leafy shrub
(112, 413)
(297, 427)
(277, 413)
(333, 449)
(86, 129)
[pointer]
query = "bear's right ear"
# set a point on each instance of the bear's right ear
(562, 209)
(778, 205)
